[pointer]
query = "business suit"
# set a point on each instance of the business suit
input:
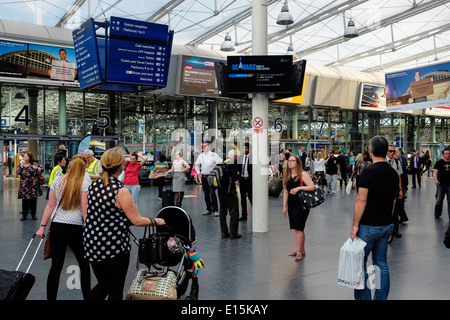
(245, 182)
(416, 165)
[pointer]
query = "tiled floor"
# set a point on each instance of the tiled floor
(257, 266)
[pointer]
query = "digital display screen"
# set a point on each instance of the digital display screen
(259, 74)
(198, 77)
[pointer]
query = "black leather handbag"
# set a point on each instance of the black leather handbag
(153, 248)
(311, 199)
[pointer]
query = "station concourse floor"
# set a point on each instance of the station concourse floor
(257, 266)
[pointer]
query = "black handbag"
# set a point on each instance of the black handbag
(153, 249)
(311, 199)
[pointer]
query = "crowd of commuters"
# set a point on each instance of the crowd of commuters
(85, 193)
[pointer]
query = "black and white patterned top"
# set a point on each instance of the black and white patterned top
(67, 216)
(106, 231)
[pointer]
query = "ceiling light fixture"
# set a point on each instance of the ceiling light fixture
(285, 17)
(227, 44)
(351, 31)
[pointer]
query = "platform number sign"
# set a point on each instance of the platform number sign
(23, 116)
(104, 121)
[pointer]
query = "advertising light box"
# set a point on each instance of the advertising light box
(259, 74)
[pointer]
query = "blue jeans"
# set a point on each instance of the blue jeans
(441, 192)
(134, 190)
(377, 239)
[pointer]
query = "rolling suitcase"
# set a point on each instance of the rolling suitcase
(16, 285)
(167, 194)
(275, 187)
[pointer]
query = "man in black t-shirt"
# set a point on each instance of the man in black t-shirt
(372, 219)
(332, 170)
(441, 175)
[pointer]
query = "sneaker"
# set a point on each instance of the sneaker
(216, 214)
(206, 213)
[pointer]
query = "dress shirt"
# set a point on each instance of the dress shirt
(206, 162)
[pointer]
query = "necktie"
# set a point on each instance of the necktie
(244, 167)
(417, 162)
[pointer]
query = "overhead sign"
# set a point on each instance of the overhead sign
(86, 53)
(259, 74)
(138, 52)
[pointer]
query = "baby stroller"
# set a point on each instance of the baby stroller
(179, 236)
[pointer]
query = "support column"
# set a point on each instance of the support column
(33, 126)
(62, 113)
(259, 148)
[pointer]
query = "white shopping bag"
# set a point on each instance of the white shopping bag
(351, 264)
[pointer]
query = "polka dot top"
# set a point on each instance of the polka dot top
(106, 231)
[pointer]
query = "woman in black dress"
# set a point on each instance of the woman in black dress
(295, 179)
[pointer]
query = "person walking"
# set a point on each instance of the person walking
(245, 180)
(396, 164)
(59, 169)
(441, 176)
(111, 211)
(295, 180)
(29, 186)
(319, 170)
(228, 199)
(416, 166)
(372, 217)
(94, 169)
(131, 177)
(204, 164)
(360, 165)
(179, 169)
(67, 206)
(159, 170)
(332, 172)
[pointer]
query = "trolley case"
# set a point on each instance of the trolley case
(167, 194)
(16, 285)
(275, 187)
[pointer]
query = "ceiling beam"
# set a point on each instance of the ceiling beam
(382, 67)
(397, 44)
(225, 25)
(164, 10)
(70, 12)
(313, 19)
(415, 10)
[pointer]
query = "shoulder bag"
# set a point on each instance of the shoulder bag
(153, 249)
(311, 199)
(47, 247)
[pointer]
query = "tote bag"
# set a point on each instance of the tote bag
(351, 264)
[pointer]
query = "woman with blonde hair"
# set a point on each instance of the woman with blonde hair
(111, 211)
(295, 180)
(179, 169)
(67, 207)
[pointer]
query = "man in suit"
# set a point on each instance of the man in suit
(245, 180)
(416, 165)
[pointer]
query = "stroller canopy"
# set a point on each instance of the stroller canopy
(179, 221)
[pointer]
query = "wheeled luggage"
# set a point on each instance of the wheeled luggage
(167, 194)
(16, 285)
(275, 187)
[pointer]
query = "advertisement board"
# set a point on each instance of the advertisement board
(372, 97)
(418, 88)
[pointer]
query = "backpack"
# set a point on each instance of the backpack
(219, 177)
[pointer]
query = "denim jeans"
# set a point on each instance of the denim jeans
(134, 190)
(377, 239)
(441, 192)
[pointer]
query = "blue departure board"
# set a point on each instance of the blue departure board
(138, 52)
(87, 56)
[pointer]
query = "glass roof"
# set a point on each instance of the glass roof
(393, 34)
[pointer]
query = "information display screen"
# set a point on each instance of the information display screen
(87, 55)
(259, 74)
(138, 52)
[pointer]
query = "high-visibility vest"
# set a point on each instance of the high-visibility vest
(52, 175)
(93, 168)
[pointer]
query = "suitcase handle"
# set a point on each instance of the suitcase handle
(26, 250)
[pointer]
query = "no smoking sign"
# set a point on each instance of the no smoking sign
(257, 125)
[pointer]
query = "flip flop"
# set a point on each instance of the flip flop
(292, 254)
(298, 257)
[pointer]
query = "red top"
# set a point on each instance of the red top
(132, 173)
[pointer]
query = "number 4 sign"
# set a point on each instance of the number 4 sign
(26, 118)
